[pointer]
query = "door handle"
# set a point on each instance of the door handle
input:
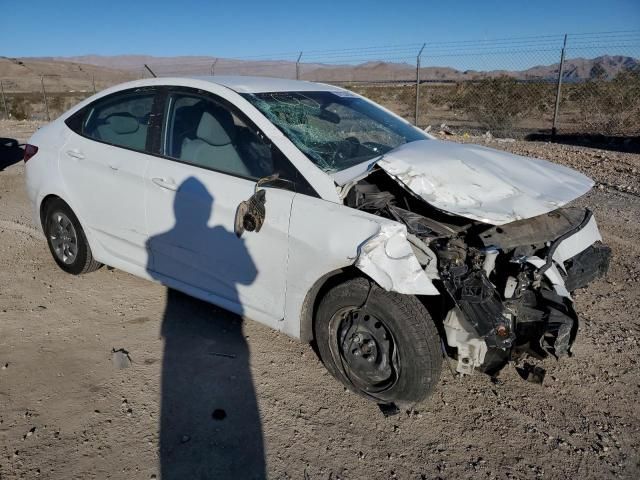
(164, 183)
(75, 153)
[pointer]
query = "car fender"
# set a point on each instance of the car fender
(325, 237)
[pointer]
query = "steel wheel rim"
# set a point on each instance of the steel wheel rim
(365, 349)
(63, 238)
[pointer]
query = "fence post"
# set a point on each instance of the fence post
(418, 83)
(559, 89)
(213, 67)
(93, 81)
(44, 98)
(4, 101)
(298, 66)
(149, 70)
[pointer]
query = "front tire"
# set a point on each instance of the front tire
(66, 239)
(381, 345)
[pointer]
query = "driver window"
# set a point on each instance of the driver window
(207, 134)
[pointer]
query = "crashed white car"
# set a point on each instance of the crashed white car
(319, 213)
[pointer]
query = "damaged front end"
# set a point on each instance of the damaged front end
(507, 288)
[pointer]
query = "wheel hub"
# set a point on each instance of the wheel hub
(63, 237)
(366, 350)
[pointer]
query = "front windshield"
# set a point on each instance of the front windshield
(335, 129)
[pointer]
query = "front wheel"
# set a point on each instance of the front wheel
(381, 345)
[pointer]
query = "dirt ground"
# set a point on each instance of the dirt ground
(209, 396)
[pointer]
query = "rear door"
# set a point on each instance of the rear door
(212, 158)
(103, 164)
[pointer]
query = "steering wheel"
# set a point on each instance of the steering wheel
(376, 147)
(345, 149)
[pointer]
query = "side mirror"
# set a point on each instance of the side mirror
(274, 181)
(250, 214)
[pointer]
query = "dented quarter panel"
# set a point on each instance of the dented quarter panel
(325, 237)
(481, 183)
(388, 258)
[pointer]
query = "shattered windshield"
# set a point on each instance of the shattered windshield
(336, 130)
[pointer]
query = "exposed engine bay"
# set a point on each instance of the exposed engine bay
(506, 287)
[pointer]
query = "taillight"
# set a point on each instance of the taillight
(29, 151)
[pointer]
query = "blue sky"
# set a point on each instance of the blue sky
(244, 28)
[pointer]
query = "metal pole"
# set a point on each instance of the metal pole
(418, 83)
(4, 101)
(213, 67)
(149, 70)
(559, 89)
(93, 81)
(44, 97)
(298, 66)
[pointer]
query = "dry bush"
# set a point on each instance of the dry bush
(20, 108)
(500, 104)
(608, 107)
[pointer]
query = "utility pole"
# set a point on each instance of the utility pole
(44, 98)
(418, 83)
(4, 101)
(213, 67)
(298, 66)
(559, 88)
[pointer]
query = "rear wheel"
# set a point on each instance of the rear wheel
(382, 345)
(66, 239)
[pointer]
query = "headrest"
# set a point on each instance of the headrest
(123, 124)
(216, 127)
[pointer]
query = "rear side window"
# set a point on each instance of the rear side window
(121, 120)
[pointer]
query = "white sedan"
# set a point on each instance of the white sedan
(323, 215)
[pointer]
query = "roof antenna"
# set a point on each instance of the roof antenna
(150, 71)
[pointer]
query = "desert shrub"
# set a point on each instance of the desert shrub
(606, 106)
(499, 104)
(19, 108)
(56, 105)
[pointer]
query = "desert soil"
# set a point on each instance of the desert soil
(232, 398)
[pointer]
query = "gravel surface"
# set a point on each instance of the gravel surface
(111, 376)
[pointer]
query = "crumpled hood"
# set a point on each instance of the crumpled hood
(482, 183)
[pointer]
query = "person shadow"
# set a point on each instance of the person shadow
(209, 418)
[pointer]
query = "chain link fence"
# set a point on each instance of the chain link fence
(46, 96)
(568, 84)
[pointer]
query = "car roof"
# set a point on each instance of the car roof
(238, 83)
(247, 84)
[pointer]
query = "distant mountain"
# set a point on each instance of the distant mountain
(73, 72)
(606, 66)
(24, 74)
(576, 69)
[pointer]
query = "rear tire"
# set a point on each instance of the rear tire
(387, 350)
(66, 239)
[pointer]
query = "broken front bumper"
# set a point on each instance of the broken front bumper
(532, 314)
(586, 266)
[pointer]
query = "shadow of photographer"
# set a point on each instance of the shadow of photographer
(210, 422)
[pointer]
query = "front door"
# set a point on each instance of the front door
(212, 161)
